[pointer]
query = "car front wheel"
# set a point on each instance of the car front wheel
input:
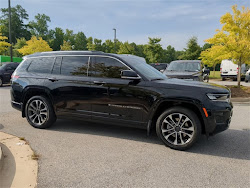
(39, 112)
(178, 128)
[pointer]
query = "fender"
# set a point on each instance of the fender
(37, 90)
(176, 102)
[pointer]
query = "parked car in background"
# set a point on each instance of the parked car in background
(6, 71)
(159, 66)
(186, 69)
(117, 89)
(247, 78)
(228, 69)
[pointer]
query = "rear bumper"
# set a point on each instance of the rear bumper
(16, 105)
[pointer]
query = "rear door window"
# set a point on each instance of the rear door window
(41, 65)
(75, 65)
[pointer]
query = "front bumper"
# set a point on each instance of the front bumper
(219, 121)
(219, 117)
(16, 105)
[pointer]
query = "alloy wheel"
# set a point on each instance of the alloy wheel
(177, 129)
(38, 112)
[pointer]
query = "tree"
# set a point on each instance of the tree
(69, 36)
(213, 56)
(234, 37)
(18, 28)
(97, 44)
(153, 50)
(19, 44)
(108, 46)
(90, 44)
(3, 44)
(56, 38)
(66, 46)
(127, 48)
(80, 41)
(170, 54)
(192, 51)
(39, 27)
(35, 45)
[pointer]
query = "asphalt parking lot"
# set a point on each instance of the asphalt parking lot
(79, 154)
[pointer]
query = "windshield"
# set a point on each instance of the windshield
(140, 65)
(184, 66)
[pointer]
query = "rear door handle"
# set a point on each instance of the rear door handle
(99, 82)
(52, 79)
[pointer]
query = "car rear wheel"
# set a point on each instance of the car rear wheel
(39, 112)
(178, 128)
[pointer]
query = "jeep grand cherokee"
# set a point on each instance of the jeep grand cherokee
(117, 89)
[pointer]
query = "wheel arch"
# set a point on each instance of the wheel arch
(34, 91)
(192, 105)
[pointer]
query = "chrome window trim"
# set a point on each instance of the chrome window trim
(84, 56)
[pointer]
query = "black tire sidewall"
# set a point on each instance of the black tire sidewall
(51, 115)
(191, 115)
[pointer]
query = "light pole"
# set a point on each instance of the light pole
(11, 55)
(114, 39)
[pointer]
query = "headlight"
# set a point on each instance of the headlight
(219, 97)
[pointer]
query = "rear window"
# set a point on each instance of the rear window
(41, 65)
(23, 65)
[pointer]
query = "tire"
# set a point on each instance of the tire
(1, 82)
(39, 112)
(223, 79)
(168, 131)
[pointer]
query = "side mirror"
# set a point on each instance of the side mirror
(129, 74)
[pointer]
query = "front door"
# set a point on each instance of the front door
(114, 97)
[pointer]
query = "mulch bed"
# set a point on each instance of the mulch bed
(243, 92)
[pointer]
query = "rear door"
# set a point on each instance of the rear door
(70, 85)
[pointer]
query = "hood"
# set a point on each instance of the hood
(190, 85)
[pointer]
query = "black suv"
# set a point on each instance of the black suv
(6, 71)
(117, 89)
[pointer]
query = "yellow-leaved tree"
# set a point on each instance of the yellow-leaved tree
(66, 46)
(213, 56)
(34, 45)
(3, 44)
(233, 40)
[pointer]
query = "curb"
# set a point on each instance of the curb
(240, 100)
(17, 168)
(1, 158)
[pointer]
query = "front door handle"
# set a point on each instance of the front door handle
(52, 79)
(99, 82)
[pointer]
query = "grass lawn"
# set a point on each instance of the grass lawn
(214, 75)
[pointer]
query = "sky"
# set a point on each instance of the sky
(174, 21)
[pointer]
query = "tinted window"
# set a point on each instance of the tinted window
(107, 67)
(140, 65)
(24, 64)
(14, 65)
(41, 65)
(75, 66)
(57, 66)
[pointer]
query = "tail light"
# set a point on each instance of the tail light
(14, 76)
